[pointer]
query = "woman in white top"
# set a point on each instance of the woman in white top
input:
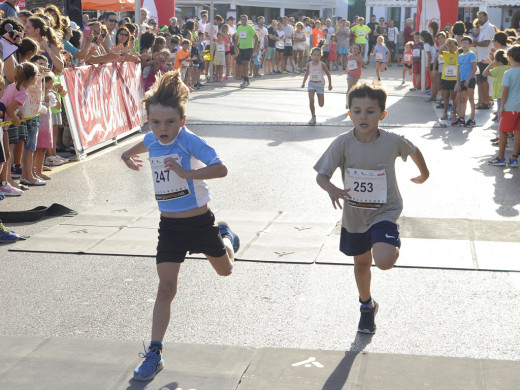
(299, 45)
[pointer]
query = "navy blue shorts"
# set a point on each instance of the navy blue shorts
(355, 244)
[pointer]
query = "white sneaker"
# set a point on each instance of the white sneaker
(8, 190)
(52, 161)
(312, 121)
(64, 160)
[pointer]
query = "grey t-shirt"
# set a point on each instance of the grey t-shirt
(347, 152)
(9, 10)
(343, 36)
(289, 32)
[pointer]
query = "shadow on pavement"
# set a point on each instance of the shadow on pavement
(338, 378)
(507, 182)
(451, 136)
(133, 385)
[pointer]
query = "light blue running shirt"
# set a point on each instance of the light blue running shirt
(174, 194)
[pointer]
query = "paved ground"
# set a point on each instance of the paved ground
(261, 136)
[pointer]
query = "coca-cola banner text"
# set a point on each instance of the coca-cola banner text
(103, 103)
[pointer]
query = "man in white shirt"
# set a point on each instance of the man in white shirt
(261, 32)
(111, 23)
(484, 44)
(217, 20)
(288, 52)
(307, 30)
(393, 42)
(328, 26)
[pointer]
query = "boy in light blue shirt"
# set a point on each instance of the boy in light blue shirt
(510, 110)
(467, 67)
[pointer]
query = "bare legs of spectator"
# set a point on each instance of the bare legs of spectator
(39, 157)
(483, 92)
(298, 54)
(279, 60)
(228, 65)
(434, 75)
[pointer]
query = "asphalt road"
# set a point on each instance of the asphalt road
(260, 135)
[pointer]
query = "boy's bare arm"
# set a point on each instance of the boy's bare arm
(418, 159)
(127, 156)
(209, 172)
(334, 192)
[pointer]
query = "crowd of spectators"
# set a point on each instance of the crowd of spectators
(201, 49)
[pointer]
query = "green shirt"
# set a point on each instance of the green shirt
(498, 75)
(246, 35)
(361, 31)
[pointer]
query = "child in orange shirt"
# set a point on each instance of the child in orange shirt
(182, 59)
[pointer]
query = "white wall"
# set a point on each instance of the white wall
(495, 16)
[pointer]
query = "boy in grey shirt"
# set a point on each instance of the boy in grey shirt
(366, 156)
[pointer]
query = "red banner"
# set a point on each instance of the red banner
(105, 101)
(440, 11)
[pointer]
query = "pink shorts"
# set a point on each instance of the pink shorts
(45, 136)
(509, 121)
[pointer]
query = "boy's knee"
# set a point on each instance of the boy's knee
(225, 272)
(166, 290)
(385, 255)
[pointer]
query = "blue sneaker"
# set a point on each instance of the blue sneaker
(367, 321)
(16, 172)
(7, 236)
(2, 196)
(497, 161)
(150, 367)
(224, 230)
(513, 163)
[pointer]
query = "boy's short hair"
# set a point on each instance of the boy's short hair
(514, 53)
(452, 40)
(417, 33)
(38, 57)
(467, 39)
(368, 90)
(185, 41)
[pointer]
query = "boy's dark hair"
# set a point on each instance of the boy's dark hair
(38, 57)
(514, 53)
(459, 28)
(185, 41)
(75, 40)
(417, 33)
(501, 38)
(467, 39)
(175, 40)
(25, 13)
(368, 90)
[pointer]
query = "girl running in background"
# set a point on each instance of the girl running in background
(381, 52)
(354, 68)
(316, 71)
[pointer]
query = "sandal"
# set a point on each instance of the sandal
(483, 106)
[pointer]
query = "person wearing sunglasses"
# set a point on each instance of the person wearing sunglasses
(111, 25)
(97, 53)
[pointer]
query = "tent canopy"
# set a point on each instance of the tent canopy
(108, 5)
